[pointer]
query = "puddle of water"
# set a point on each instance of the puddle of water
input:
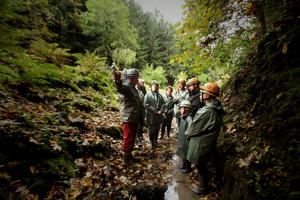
(179, 188)
(171, 193)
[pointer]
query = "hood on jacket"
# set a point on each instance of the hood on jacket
(216, 105)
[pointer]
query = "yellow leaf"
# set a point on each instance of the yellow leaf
(266, 149)
(86, 182)
(75, 194)
(242, 163)
(33, 141)
(125, 193)
(33, 170)
(284, 48)
(123, 179)
(55, 146)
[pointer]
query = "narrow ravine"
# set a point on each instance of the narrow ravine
(179, 188)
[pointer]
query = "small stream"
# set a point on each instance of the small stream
(179, 188)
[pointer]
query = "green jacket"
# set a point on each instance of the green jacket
(204, 130)
(183, 142)
(152, 106)
(168, 106)
(131, 108)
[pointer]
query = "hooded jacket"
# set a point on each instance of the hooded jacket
(183, 142)
(204, 130)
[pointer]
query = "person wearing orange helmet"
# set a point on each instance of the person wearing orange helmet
(203, 133)
(194, 93)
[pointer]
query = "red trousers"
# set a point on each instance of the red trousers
(129, 134)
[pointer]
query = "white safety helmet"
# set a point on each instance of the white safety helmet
(186, 104)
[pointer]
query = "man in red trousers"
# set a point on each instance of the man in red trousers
(131, 108)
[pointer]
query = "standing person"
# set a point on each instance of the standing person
(131, 107)
(168, 112)
(141, 86)
(180, 95)
(203, 133)
(194, 93)
(153, 103)
(185, 108)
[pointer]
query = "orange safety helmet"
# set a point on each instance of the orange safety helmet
(182, 82)
(192, 81)
(211, 89)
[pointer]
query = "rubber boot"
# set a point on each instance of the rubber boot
(127, 157)
(202, 188)
(187, 168)
(183, 165)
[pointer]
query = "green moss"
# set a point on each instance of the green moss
(59, 167)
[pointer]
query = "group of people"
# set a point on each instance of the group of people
(198, 114)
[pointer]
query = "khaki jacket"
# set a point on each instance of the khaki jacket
(131, 108)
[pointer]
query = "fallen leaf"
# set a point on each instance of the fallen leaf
(123, 179)
(75, 193)
(284, 48)
(243, 163)
(125, 193)
(55, 146)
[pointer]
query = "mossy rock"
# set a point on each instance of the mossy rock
(115, 132)
(60, 167)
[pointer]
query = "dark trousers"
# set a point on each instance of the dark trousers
(153, 134)
(202, 169)
(140, 132)
(167, 122)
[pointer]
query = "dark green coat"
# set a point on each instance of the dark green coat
(152, 106)
(168, 106)
(131, 108)
(183, 142)
(204, 130)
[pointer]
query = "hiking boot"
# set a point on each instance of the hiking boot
(182, 167)
(128, 158)
(186, 170)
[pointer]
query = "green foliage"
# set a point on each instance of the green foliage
(124, 57)
(89, 63)
(180, 76)
(155, 38)
(150, 73)
(107, 20)
(211, 43)
(94, 73)
(7, 75)
(49, 52)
